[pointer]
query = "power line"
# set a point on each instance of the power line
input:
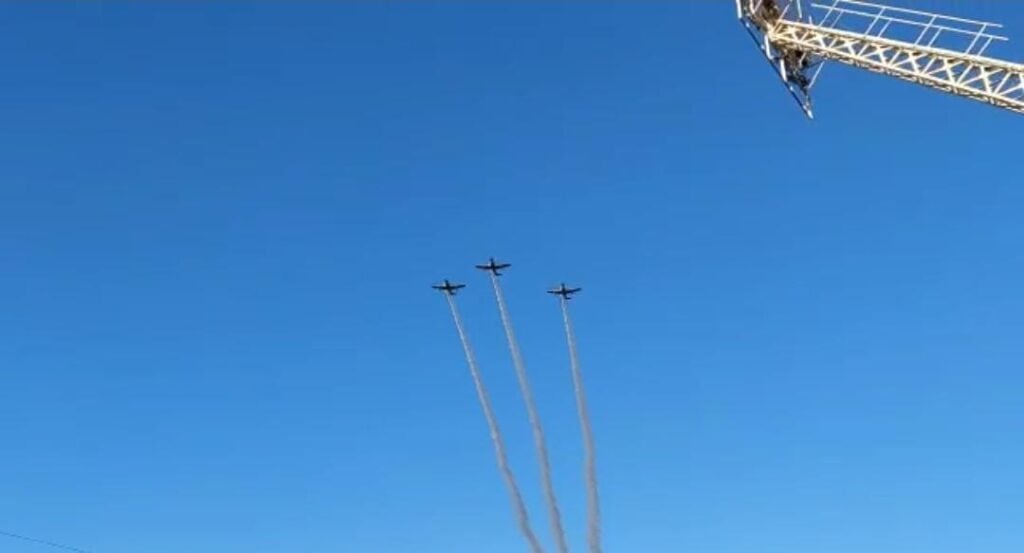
(42, 542)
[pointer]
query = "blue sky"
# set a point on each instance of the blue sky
(219, 224)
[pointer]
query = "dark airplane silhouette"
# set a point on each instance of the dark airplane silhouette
(494, 267)
(448, 287)
(566, 293)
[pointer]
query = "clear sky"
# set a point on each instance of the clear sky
(219, 222)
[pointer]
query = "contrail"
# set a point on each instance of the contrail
(531, 409)
(518, 505)
(589, 461)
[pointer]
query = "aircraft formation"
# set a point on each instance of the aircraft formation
(495, 269)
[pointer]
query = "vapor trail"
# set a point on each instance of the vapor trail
(522, 517)
(538, 430)
(589, 456)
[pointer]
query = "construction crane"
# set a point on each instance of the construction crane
(938, 51)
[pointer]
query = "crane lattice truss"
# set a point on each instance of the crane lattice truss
(941, 52)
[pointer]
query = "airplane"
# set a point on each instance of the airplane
(448, 287)
(566, 293)
(494, 267)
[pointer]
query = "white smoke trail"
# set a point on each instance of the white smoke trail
(518, 505)
(538, 430)
(589, 456)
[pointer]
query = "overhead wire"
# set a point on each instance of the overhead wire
(37, 541)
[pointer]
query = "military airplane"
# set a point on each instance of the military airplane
(566, 293)
(448, 287)
(494, 267)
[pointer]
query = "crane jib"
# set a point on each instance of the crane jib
(938, 51)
